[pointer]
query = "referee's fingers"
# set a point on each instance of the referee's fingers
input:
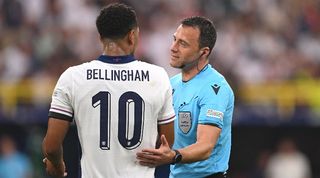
(148, 164)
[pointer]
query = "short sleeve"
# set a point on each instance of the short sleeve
(61, 107)
(213, 104)
(166, 114)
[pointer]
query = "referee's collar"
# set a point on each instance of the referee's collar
(116, 59)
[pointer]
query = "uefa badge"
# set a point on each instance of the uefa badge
(185, 121)
(214, 113)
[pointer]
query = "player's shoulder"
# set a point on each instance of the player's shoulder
(75, 69)
(152, 68)
(83, 66)
(149, 65)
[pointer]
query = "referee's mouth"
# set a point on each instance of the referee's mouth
(174, 57)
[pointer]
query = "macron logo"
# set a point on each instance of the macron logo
(215, 88)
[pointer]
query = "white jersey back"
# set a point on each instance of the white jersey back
(117, 108)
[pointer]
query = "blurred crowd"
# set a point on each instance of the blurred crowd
(260, 43)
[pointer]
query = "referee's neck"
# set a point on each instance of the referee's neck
(190, 73)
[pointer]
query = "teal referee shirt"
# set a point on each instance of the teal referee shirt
(205, 99)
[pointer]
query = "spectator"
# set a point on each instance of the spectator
(13, 164)
(288, 162)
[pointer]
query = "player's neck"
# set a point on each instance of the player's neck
(189, 73)
(116, 49)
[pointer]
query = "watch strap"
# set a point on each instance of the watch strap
(177, 158)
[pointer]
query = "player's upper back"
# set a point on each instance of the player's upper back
(118, 76)
(117, 105)
(116, 70)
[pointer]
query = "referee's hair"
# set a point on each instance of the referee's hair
(116, 20)
(208, 34)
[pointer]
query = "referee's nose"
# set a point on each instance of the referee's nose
(174, 47)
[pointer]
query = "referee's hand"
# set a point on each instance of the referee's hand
(156, 157)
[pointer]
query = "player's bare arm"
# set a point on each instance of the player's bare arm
(52, 147)
(168, 131)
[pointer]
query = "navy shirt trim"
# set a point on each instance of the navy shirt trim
(60, 116)
(116, 59)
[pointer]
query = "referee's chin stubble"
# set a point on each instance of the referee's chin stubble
(181, 66)
(176, 64)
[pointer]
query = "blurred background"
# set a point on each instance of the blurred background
(268, 50)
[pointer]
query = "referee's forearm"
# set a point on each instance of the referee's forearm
(195, 152)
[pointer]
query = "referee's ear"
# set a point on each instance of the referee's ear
(205, 52)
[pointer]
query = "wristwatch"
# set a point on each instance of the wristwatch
(177, 158)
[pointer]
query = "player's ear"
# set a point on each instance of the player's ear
(100, 38)
(131, 37)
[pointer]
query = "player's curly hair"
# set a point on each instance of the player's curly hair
(208, 34)
(116, 20)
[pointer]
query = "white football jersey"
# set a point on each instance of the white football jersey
(117, 107)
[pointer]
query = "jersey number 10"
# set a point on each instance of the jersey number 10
(127, 101)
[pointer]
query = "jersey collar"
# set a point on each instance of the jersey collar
(116, 59)
(203, 70)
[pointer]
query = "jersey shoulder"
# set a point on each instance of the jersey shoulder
(78, 67)
(216, 84)
(150, 66)
(176, 79)
(155, 70)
